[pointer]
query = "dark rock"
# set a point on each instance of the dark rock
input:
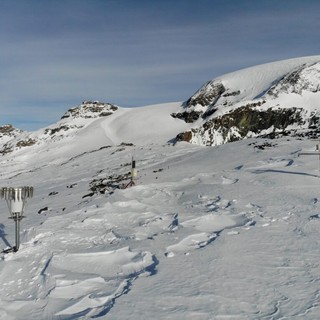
(208, 95)
(187, 116)
(26, 143)
(184, 136)
(8, 130)
(91, 194)
(72, 185)
(231, 94)
(209, 112)
(237, 124)
(43, 210)
(108, 184)
(62, 127)
(126, 144)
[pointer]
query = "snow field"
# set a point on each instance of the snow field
(206, 233)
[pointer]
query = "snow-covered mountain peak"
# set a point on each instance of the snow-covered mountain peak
(270, 99)
(250, 82)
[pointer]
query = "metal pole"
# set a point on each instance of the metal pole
(17, 223)
(16, 199)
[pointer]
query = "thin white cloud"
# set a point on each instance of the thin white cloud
(57, 53)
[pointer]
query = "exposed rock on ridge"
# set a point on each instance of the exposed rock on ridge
(91, 109)
(305, 78)
(275, 112)
(207, 95)
(72, 121)
(244, 122)
(8, 131)
(202, 103)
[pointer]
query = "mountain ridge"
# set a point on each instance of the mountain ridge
(272, 99)
(285, 104)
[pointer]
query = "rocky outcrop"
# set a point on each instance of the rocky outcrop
(185, 136)
(60, 129)
(8, 131)
(17, 144)
(91, 109)
(244, 122)
(202, 104)
(305, 78)
(207, 95)
(188, 116)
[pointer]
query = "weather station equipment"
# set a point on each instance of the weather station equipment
(134, 174)
(16, 198)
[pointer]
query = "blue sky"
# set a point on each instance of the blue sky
(56, 53)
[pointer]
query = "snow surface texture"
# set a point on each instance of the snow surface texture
(228, 232)
(197, 237)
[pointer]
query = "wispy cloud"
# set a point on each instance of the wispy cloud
(54, 54)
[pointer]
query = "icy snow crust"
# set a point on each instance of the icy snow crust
(206, 233)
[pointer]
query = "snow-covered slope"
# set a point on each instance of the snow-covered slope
(254, 81)
(93, 125)
(230, 231)
(206, 233)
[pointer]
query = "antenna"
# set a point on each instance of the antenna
(16, 200)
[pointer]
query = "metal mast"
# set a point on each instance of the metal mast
(16, 200)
